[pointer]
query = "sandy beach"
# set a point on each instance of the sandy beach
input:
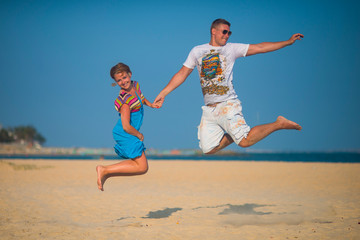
(59, 199)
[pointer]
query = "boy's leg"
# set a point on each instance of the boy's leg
(259, 132)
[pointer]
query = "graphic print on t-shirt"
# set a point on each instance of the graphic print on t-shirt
(212, 74)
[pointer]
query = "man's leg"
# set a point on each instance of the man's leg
(212, 137)
(225, 141)
(259, 132)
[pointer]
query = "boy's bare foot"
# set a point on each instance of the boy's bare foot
(100, 177)
(287, 124)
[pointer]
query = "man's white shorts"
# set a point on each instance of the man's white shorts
(225, 117)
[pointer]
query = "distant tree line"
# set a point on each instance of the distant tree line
(27, 134)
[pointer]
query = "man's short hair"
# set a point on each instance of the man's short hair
(217, 22)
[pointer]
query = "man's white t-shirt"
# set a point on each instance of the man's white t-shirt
(215, 66)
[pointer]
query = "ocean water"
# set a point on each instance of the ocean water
(333, 157)
(276, 157)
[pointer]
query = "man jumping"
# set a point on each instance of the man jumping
(222, 121)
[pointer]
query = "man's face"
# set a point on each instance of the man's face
(221, 34)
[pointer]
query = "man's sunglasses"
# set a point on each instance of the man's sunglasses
(226, 31)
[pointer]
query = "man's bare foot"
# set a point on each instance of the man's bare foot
(100, 177)
(287, 124)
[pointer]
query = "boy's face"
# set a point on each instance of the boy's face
(123, 79)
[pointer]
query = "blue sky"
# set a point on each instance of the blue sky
(56, 57)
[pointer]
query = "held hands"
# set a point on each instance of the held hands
(152, 105)
(159, 100)
(296, 36)
(149, 104)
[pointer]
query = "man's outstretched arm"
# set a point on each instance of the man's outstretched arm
(272, 46)
(178, 79)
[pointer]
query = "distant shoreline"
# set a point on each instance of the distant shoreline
(24, 149)
(269, 157)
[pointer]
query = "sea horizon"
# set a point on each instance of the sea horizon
(330, 157)
(26, 151)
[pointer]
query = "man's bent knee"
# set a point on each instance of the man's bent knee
(244, 143)
(209, 151)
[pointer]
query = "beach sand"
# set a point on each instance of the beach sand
(59, 199)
